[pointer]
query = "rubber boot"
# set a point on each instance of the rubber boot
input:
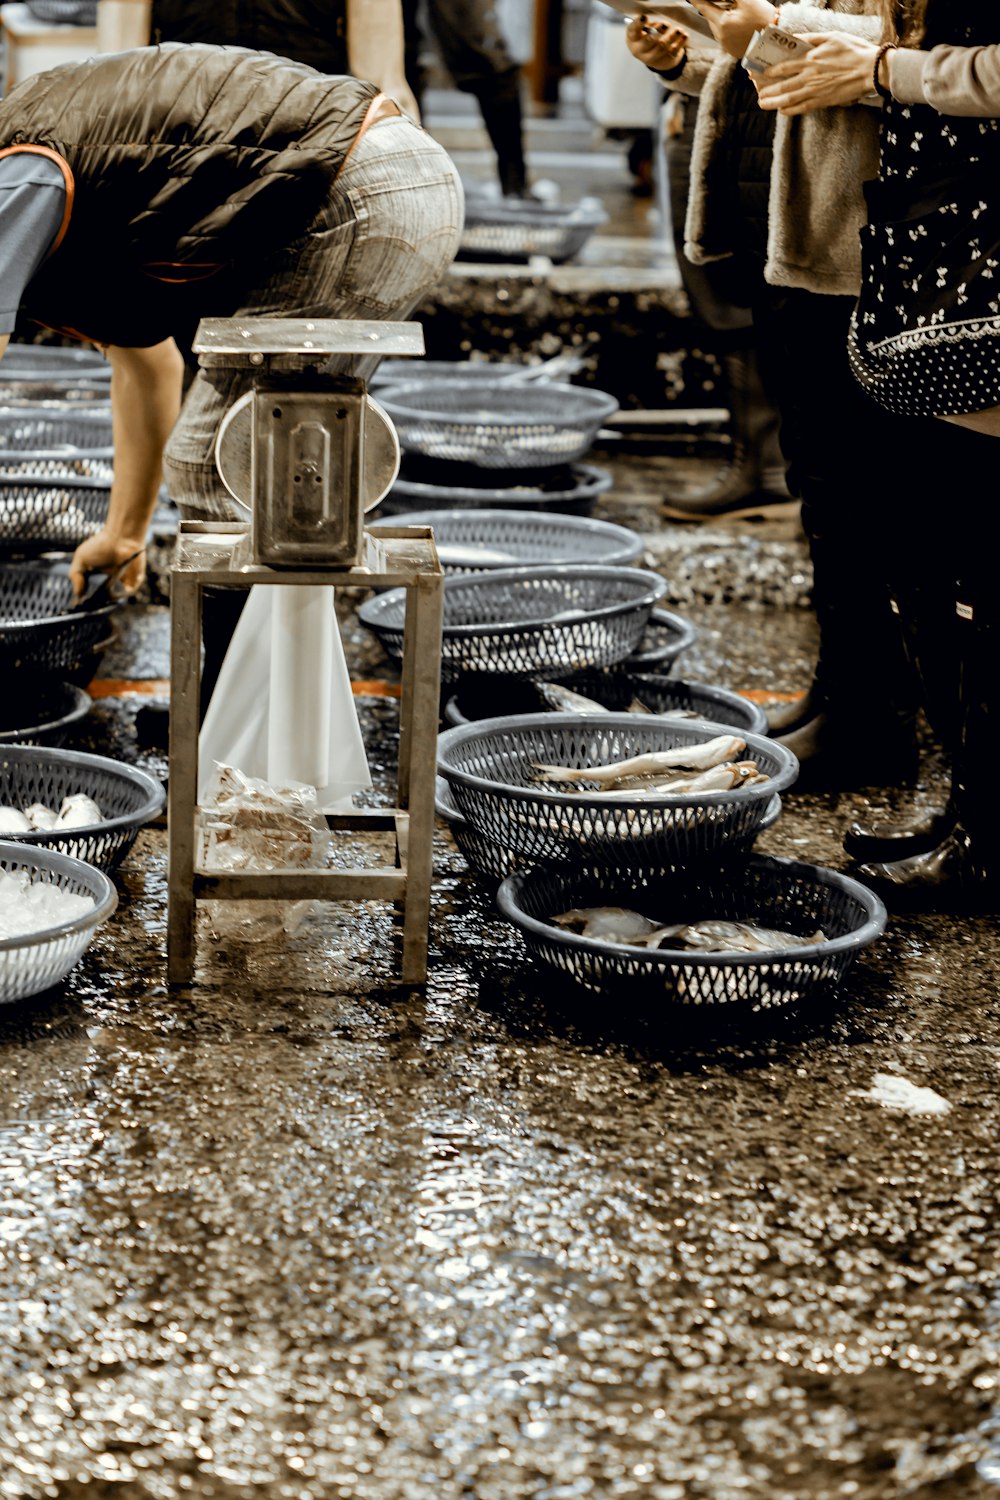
(965, 865)
(930, 631)
(751, 482)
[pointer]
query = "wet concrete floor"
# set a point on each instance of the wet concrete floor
(295, 1233)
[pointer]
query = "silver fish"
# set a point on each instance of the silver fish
(564, 700)
(716, 779)
(609, 924)
(689, 757)
(41, 817)
(740, 937)
(78, 811)
(12, 820)
(457, 555)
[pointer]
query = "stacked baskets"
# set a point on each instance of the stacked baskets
(55, 480)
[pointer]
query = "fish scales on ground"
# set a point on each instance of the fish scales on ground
(616, 924)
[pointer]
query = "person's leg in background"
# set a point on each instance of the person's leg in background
(849, 460)
(475, 53)
(720, 295)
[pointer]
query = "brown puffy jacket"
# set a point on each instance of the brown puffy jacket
(187, 167)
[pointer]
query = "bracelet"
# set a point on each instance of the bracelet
(878, 86)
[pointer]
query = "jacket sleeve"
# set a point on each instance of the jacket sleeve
(953, 80)
(806, 18)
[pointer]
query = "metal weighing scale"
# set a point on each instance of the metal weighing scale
(305, 454)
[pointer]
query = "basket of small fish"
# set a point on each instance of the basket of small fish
(529, 622)
(762, 934)
(614, 690)
(492, 862)
(470, 541)
(86, 806)
(515, 229)
(39, 442)
(56, 511)
(509, 426)
(570, 489)
(50, 908)
(43, 713)
(573, 787)
(39, 631)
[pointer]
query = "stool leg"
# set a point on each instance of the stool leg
(185, 674)
(419, 708)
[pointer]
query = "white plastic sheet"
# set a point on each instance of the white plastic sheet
(283, 709)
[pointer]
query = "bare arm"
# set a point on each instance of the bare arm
(145, 402)
(375, 49)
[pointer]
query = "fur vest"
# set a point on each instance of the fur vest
(186, 168)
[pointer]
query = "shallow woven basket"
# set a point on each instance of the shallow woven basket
(31, 964)
(530, 622)
(43, 714)
(36, 632)
(36, 441)
(512, 229)
(128, 798)
(510, 426)
(491, 862)
(42, 512)
(777, 893)
(615, 688)
(488, 767)
(471, 541)
(569, 489)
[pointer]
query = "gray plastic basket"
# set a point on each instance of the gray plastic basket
(529, 622)
(475, 540)
(776, 893)
(29, 965)
(36, 442)
(507, 229)
(488, 766)
(511, 426)
(127, 796)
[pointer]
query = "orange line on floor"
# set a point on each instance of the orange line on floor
(159, 687)
(765, 695)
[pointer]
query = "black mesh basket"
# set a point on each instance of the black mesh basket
(55, 362)
(470, 541)
(51, 512)
(39, 442)
(42, 713)
(570, 489)
(775, 893)
(128, 799)
(37, 635)
(510, 426)
(530, 622)
(491, 862)
(614, 689)
(489, 769)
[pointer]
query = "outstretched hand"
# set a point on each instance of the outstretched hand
(100, 553)
(734, 23)
(837, 71)
(658, 44)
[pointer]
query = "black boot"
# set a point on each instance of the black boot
(751, 482)
(965, 866)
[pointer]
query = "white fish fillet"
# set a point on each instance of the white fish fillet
(78, 811)
(41, 817)
(12, 820)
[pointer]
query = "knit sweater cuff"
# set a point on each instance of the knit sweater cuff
(906, 68)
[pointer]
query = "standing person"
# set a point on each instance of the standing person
(475, 52)
(197, 181)
(793, 207)
(363, 37)
(925, 341)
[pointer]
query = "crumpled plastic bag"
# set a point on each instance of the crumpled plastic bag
(246, 824)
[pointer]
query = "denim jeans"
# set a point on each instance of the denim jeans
(385, 237)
